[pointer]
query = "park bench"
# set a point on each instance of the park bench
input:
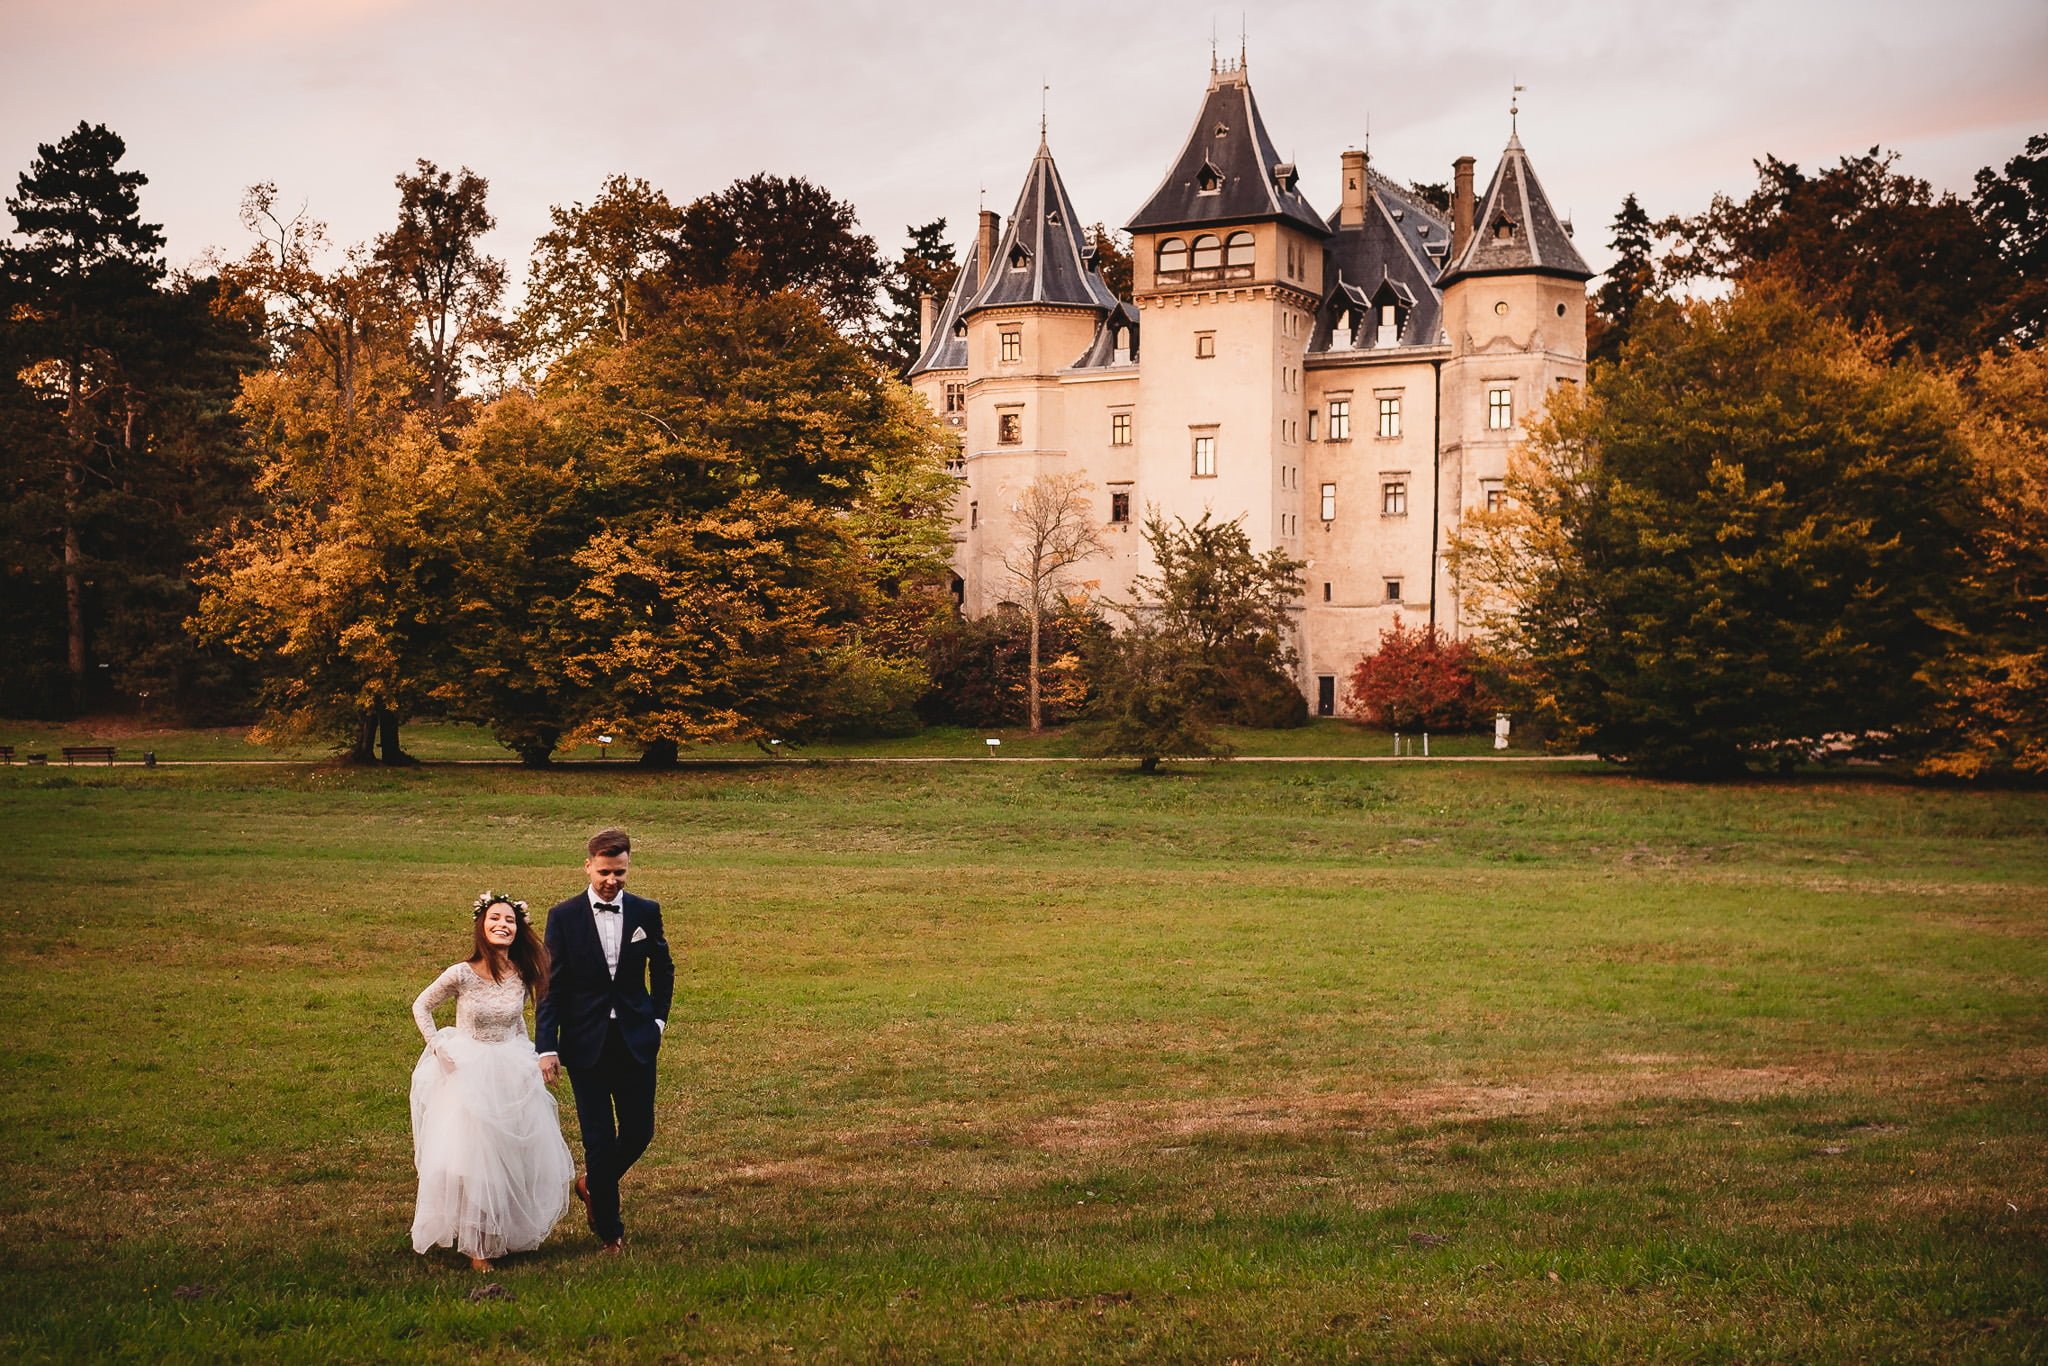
(73, 753)
(6, 754)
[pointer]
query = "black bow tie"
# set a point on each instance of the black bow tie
(604, 906)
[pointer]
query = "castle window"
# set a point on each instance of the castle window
(1500, 409)
(1208, 180)
(1329, 509)
(1173, 256)
(1394, 498)
(1205, 457)
(956, 397)
(1326, 590)
(1119, 429)
(1496, 496)
(1238, 250)
(1019, 258)
(973, 515)
(1208, 252)
(1205, 346)
(1010, 427)
(1012, 345)
(1390, 416)
(1120, 506)
(1393, 590)
(1340, 419)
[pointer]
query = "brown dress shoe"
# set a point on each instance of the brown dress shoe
(615, 1246)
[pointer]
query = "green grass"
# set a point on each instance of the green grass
(1322, 738)
(998, 1062)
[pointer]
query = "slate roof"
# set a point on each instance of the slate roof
(1535, 243)
(1388, 252)
(1101, 352)
(1042, 257)
(1230, 146)
(946, 348)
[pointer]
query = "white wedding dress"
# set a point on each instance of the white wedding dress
(486, 1136)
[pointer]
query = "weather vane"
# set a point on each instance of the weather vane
(1043, 87)
(1515, 109)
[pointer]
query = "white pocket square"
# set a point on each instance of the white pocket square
(639, 934)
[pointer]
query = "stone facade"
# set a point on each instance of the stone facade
(1347, 386)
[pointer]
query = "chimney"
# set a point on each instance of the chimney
(985, 241)
(927, 314)
(1461, 207)
(1353, 214)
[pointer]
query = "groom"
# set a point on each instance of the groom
(610, 981)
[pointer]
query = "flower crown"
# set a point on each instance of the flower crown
(486, 900)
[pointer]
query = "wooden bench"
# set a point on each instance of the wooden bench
(6, 754)
(73, 753)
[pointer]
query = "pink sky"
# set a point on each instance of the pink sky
(909, 111)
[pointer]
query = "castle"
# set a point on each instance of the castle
(1347, 386)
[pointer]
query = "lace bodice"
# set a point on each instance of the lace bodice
(488, 1011)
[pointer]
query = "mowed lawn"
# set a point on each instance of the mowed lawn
(1266, 1062)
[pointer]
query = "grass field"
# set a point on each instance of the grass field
(444, 742)
(991, 1062)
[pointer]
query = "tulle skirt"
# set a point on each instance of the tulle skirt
(487, 1138)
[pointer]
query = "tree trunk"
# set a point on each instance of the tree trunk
(1149, 764)
(387, 738)
(363, 750)
(1031, 686)
(658, 754)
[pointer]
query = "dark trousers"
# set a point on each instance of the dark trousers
(615, 1107)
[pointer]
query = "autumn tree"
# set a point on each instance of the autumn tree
(1988, 687)
(340, 589)
(447, 286)
(1422, 680)
(980, 666)
(1054, 529)
(1112, 258)
(770, 233)
(2013, 207)
(1733, 546)
(1871, 246)
(762, 525)
(589, 267)
(924, 270)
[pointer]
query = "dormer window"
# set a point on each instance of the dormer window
(1019, 258)
(1173, 256)
(1504, 228)
(1208, 180)
(1222, 129)
(1285, 178)
(1053, 217)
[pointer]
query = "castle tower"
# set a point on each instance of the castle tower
(1038, 310)
(1226, 273)
(1514, 307)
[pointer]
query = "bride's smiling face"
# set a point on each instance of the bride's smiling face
(501, 924)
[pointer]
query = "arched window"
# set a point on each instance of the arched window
(1238, 250)
(1173, 256)
(1208, 252)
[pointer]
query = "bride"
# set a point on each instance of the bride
(487, 1139)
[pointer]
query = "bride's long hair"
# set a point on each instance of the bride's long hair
(529, 956)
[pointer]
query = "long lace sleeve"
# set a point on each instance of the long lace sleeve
(441, 989)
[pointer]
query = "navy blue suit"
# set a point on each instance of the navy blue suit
(603, 1027)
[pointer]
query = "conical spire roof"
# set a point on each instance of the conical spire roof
(1042, 257)
(946, 348)
(1515, 231)
(1229, 172)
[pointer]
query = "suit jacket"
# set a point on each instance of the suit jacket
(573, 1017)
